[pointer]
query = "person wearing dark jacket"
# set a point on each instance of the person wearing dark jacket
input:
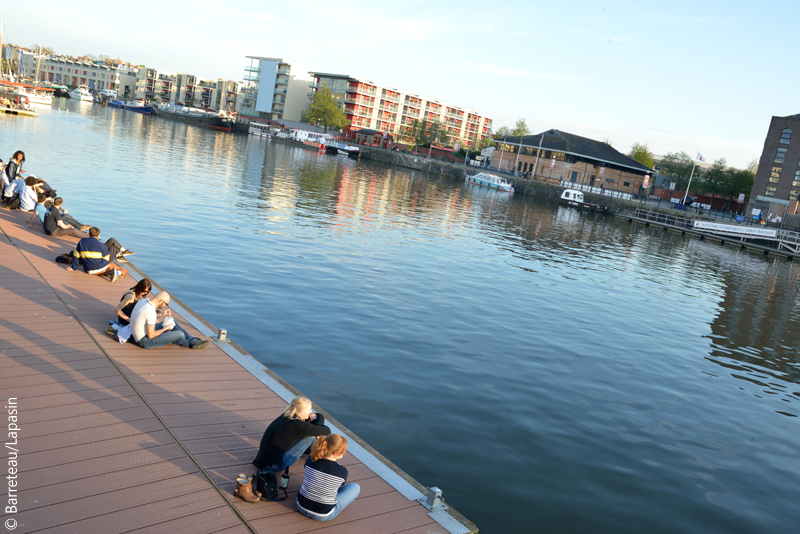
(93, 255)
(288, 436)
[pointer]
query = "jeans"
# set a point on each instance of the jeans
(113, 247)
(69, 219)
(345, 496)
(177, 336)
(293, 453)
(61, 232)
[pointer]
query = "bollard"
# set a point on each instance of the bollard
(433, 501)
(222, 335)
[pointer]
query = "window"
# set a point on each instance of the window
(626, 184)
(770, 191)
(793, 194)
(775, 174)
(786, 135)
(609, 181)
(780, 155)
(796, 181)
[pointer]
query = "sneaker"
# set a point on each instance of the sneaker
(127, 253)
(84, 227)
(121, 259)
(198, 344)
(115, 275)
(111, 332)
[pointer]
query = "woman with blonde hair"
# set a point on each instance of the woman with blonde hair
(325, 493)
(288, 436)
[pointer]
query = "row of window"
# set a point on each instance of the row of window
(794, 194)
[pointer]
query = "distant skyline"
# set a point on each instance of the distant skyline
(677, 76)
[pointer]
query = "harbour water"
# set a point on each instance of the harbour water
(550, 370)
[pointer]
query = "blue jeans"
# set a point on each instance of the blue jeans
(345, 496)
(293, 453)
(177, 335)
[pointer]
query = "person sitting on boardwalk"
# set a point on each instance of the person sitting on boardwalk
(149, 334)
(56, 226)
(325, 493)
(29, 193)
(39, 211)
(288, 436)
(93, 255)
(130, 299)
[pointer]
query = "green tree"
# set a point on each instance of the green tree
(324, 110)
(437, 135)
(501, 132)
(607, 140)
(520, 128)
(639, 152)
(736, 181)
(714, 179)
(417, 131)
(678, 166)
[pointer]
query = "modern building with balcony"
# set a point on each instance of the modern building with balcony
(382, 107)
(274, 89)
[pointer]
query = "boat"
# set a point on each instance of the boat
(259, 130)
(306, 138)
(114, 103)
(343, 149)
(221, 121)
(37, 96)
(573, 197)
(12, 103)
(82, 94)
(492, 181)
(60, 90)
(139, 106)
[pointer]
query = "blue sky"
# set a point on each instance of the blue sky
(675, 75)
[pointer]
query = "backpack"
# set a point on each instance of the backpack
(64, 258)
(266, 483)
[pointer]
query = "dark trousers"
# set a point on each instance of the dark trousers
(61, 232)
(114, 248)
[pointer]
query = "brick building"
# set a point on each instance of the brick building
(571, 158)
(777, 183)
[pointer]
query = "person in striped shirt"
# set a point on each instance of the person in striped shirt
(324, 493)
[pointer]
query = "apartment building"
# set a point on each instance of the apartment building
(776, 187)
(274, 89)
(382, 107)
(65, 70)
(187, 89)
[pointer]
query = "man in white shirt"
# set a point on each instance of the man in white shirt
(149, 334)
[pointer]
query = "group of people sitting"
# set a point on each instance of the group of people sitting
(37, 197)
(298, 431)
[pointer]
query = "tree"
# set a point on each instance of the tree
(324, 110)
(735, 181)
(639, 152)
(417, 131)
(45, 49)
(520, 129)
(501, 132)
(713, 179)
(607, 140)
(678, 166)
(437, 135)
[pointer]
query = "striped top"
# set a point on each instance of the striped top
(322, 481)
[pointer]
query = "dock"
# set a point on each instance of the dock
(787, 243)
(111, 438)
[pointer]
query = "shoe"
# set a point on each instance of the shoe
(115, 275)
(198, 344)
(127, 253)
(241, 478)
(245, 491)
(121, 259)
(84, 227)
(111, 332)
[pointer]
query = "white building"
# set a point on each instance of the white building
(275, 89)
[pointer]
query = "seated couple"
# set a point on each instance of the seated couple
(94, 255)
(145, 321)
(324, 493)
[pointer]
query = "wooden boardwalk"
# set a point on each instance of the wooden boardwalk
(117, 439)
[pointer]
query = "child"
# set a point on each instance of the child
(38, 210)
(324, 493)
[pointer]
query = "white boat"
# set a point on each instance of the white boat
(259, 130)
(36, 97)
(82, 94)
(492, 181)
(573, 197)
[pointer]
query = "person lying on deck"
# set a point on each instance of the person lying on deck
(150, 334)
(288, 436)
(325, 492)
(93, 255)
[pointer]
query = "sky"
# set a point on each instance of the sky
(677, 76)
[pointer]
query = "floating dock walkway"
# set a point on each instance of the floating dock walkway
(786, 243)
(110, 438)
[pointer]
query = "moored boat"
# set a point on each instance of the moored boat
(573, 197)
(81, 93)
(492, 181)
(138, 106)
(37, 96)
(336, 148)
(215, 120)
(12, 103)
(306, 138)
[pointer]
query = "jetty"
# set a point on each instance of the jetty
(110, 438)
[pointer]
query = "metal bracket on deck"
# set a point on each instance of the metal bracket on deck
(433, 501)
(222, 335)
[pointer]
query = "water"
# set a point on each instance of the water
(551, 371)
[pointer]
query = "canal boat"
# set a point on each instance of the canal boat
(484, 179)
(37, 95)
(82, 94)
(259, 130)
(16, 104)
(215, 120)
(573, 197)
(138, 106)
